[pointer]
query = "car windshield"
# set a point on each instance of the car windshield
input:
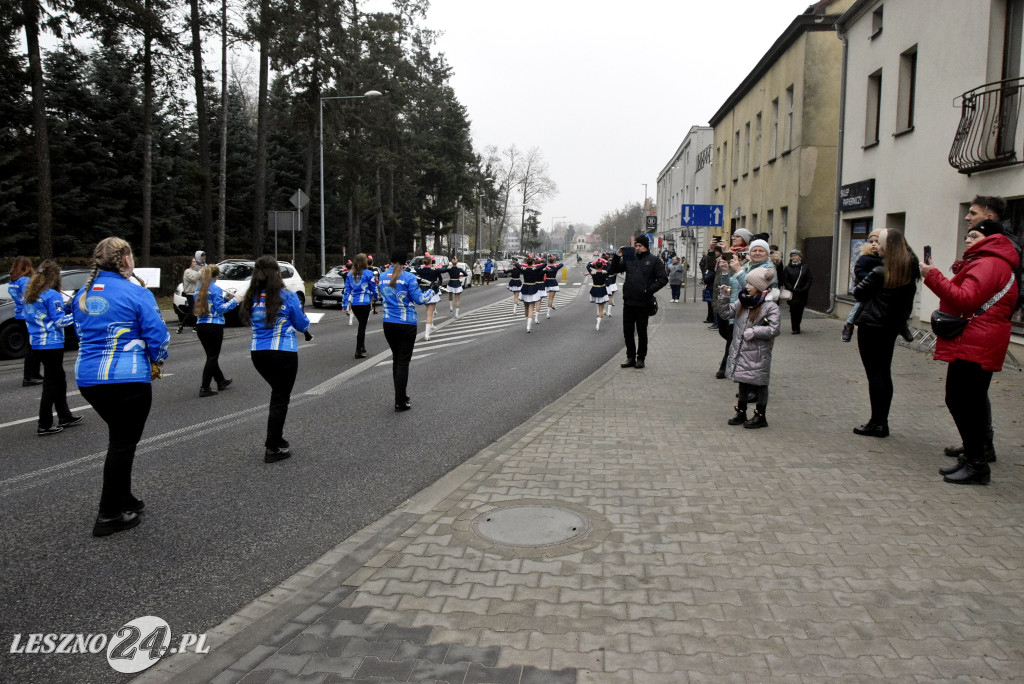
(73, 281)
(335, 272)
(235, 271)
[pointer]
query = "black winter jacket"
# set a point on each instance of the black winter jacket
(885, 307)
(645, 275)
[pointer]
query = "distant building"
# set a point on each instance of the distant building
(686, 179)
(776, 141)
(922, 137)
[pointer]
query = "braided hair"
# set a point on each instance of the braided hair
(111, 254)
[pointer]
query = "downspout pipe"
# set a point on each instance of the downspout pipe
(837, 222)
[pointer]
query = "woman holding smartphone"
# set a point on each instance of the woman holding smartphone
(401, 292)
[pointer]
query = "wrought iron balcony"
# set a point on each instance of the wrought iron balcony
(987, 137)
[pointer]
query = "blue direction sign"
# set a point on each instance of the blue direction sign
(702, 215)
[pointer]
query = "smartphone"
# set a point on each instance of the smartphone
(628, 254)
(928, 254)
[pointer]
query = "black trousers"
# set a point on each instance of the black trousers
(725, 329)
(55, 388)
(279, 369)
(876, 345)
(967, 400)
(796, 310)
(31, 362)
(124, 407)
(190, 304)
(362, 313)
(211, 336)
(634, 319)
(676, 290)
(401, 338)
(759, 391)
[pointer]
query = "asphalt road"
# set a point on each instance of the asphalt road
(221, 527)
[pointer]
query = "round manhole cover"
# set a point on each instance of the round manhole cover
(531, 525)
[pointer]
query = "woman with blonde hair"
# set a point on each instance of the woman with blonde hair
(122, 345)
(21, 273)
(360, 292)
(47, 315)
(211, 303)
(887, 294)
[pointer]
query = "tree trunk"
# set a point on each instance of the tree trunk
(300, 260)
(378, 243)
(350, 238)
(222, 191)
(147, 140)
(43, 183)
(205, 195)
(260, 200)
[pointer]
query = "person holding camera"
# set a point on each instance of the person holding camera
(983, 290)
(191, 279)
(645, 275)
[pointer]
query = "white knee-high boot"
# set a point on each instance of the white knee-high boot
(598, 327)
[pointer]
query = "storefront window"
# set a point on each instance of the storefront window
(859, 229)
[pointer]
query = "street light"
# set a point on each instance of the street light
(479, 210)
(323, 250)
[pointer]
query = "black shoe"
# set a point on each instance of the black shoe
(207, 392)
(275, 455)
(796, 332)
(360, 355)
(30, 382)
(639, 364)
(740, 417)
(134, 505)
(52, 430)
(630, 363)
(949, 470)
(221, 386)
(757, 421)
(720, 374)
(72, 420)
(125, 520)
(971, 473)
(713, 326)
(954, 450)
(847, 332)
(402, 405)
(869, 429)
(906, 334)
(180, 328)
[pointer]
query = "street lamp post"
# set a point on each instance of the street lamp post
(323, 250)
(479, 211)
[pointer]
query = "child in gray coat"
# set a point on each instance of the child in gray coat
(756, 315)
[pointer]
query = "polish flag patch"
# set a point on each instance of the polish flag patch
(98, 287)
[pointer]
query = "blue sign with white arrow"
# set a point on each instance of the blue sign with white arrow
(702, 215)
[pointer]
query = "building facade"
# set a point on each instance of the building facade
(928, 124)
(776, 141)
(686, 179)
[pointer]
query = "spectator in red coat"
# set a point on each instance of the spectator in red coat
(983, 279)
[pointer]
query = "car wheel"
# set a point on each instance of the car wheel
(13, 341)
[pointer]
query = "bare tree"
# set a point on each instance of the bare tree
(504, 167)
(537, 186)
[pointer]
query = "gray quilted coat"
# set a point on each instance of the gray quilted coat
(750, 361)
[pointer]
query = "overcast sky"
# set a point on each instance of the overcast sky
(607, 90)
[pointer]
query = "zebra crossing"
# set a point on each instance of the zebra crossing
(488, 320)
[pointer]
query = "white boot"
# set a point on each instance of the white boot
(529, 322)
(450, 309)
(548, 313)
(456, 313)
(350, 319)
(426, 335)
(598, 324)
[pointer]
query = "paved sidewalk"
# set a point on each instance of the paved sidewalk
(800, 552)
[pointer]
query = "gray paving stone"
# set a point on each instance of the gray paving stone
(480, 674)
(372, 667)
(431, 672)
(487, 656)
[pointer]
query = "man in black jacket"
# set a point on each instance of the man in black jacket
(645, 275)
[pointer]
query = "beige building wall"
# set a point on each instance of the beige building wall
(959, 47)
(781, 180)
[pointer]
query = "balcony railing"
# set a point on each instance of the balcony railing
(987, 137)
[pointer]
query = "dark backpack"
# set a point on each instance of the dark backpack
(1018, 244)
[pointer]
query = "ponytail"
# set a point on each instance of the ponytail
(202, 300)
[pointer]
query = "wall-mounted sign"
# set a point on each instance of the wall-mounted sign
(860, 195)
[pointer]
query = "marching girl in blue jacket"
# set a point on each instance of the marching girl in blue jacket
(122, 343)
(47, 315)
(21, 273)
(401, 292)
(515, 284)
(211, 305)
(551, 282)
(360, 293)
(274, 314)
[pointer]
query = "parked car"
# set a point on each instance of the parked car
(13, 341)
(330, 288)
(234, 278)
(417, 261)
(467, 280)
(502, 268)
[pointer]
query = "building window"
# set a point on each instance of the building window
(774, 152)
(784, 218)
(769, 221)
(789, 118)
(876, 22)
(747, 148)
(874, 110)
(907, 86)
(725, 155)
(757, 141)
(753, 224)
(859, 230)
(736, 157)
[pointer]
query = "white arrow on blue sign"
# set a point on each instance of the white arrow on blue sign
(702, 215)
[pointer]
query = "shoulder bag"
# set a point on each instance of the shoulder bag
(950, 326)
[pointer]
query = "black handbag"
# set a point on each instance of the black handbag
(652, 306)
(948, 326)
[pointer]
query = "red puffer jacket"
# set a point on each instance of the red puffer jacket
(984, 272)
